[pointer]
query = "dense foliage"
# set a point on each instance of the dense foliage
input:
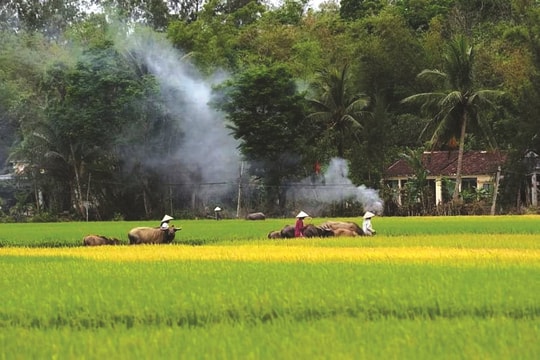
(96, 125)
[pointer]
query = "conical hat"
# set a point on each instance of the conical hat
(217, 208)
(368, 215)
(166, 218)
(302, 214)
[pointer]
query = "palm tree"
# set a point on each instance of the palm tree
(417, 187)
(338, 105)
(458, 103)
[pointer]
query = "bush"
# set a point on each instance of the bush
(43, 217)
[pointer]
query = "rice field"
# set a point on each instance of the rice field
(446, 288)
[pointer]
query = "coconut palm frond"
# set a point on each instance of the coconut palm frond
(55, 155)
(319, 105)
(488, 97)
(451, 100)
(351, 121)
(423, 98)
(436, 75)
(357, 105)
(321, 116)
(440, 129)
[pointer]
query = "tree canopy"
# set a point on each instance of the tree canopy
(91, 128)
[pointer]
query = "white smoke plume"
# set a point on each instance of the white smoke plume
(335, 186)
(208, 154)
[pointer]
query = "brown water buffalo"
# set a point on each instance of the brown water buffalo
(256, 216)
(345, 232)
(334, 225)
(97, 240)
(274, 234)
(150, 235)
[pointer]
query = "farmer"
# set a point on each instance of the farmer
(299, 226)
(165, 222)
(366, 224)
(217, 212)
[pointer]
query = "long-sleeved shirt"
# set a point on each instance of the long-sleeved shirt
(366, 227)
(298, 228)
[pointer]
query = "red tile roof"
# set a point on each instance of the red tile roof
(444, 163)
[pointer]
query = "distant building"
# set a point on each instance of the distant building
(479, 170)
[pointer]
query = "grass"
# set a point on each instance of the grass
(433, 293)
(202, 232)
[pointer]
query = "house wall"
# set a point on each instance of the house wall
(397, 183)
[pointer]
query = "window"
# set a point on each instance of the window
(468, 184)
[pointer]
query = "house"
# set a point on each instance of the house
(479, 170)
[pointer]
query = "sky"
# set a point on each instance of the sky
(315, 3)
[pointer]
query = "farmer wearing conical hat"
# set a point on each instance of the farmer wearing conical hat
(165, 222)
(299, 226)
(366, 224)
(217, 212)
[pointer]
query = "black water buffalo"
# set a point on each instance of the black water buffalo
(256, 216)
(97, 240)
(149, 235)
(287, 232)
(335, 225)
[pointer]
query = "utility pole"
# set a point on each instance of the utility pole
(495, 191)
(239, 190)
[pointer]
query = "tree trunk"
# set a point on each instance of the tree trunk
(457, 188)
(495, 191)
(78, 189)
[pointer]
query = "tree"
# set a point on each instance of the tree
(23, 59)
(290, 12)
(49, 17)
(266, 114)
(389, 55)
(337, 105)
(368, 163)
(356, 9)
(74, 143)
(417, 196)
(419, 13)
(458, 103)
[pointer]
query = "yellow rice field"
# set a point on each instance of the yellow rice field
(289, 253)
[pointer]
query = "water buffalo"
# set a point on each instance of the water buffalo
(256, 216)
(97, 240)
(274, 234)
(287, 232)
(309, 231)
(345, 232)
(149, 235)
(316, 231)
(334, 225)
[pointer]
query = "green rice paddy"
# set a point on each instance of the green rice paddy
(423, 288)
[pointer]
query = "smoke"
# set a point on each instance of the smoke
(207, 153)
(335, 186)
